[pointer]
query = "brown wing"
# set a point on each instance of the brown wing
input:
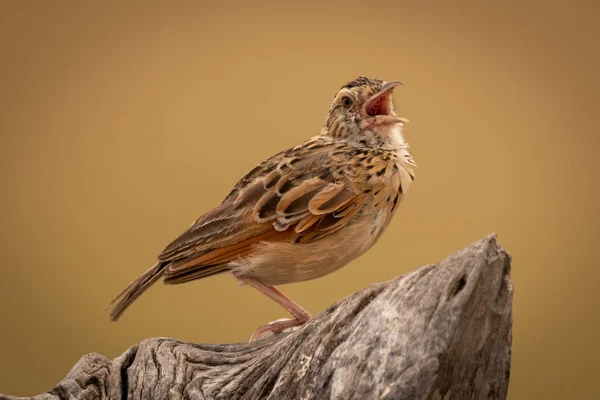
(300, 195)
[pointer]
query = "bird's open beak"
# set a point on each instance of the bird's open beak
(379, 109)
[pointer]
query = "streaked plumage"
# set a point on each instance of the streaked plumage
(305, 212)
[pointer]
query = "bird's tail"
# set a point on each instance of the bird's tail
(135, 289)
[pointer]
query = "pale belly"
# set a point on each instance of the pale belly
(277, 263)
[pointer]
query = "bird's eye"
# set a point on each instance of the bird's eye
(346, 101)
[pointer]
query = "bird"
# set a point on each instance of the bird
(304, 212)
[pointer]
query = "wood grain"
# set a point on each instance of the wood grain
(441, 332)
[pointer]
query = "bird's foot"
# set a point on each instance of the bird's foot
(277, 326)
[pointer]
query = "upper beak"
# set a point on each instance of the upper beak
(381, 102)
(387, 88)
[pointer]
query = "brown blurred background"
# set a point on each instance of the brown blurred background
(121, 124)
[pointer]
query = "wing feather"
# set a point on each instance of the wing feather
(297, 195)
(330, 199)
(296, 200)
(307, 222)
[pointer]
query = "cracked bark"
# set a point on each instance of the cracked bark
(440, 332)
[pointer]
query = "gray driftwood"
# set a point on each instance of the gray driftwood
(440, 332)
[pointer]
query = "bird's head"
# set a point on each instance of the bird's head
(363, 112)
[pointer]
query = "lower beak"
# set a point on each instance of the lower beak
(379, 109)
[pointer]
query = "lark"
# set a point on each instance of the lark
(303, 213)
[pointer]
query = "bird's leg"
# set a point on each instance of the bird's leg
(301, 316)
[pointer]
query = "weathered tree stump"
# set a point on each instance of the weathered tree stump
(440, 332)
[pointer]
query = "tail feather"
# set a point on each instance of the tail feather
(135, 290)
(192, 274)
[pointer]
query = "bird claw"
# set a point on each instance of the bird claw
(282, 325)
